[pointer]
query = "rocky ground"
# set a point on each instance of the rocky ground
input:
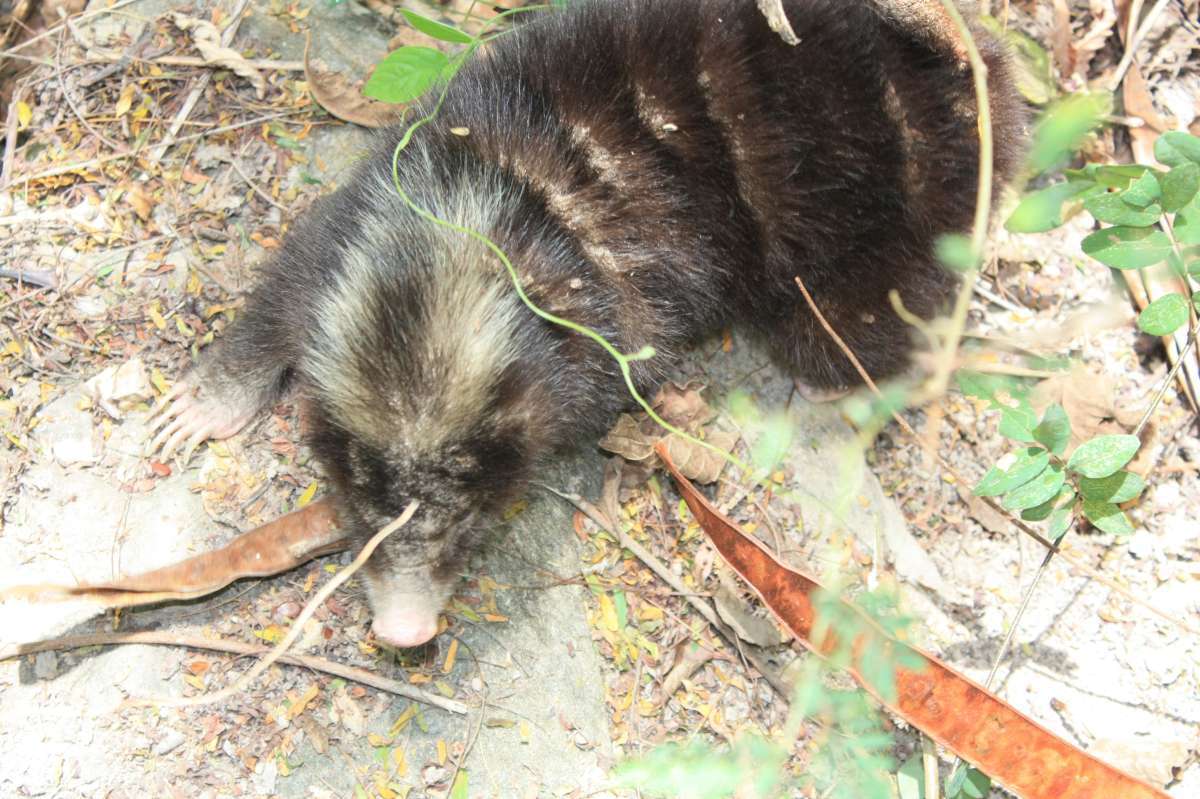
(577, 652)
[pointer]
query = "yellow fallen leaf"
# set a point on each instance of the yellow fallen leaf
(156, 316)
(272, 634)
(402, 720)
(159, 382)
(194, 681)
(304, 700)
(441, 751)
(526, 731)
(451, 654)
(24, 115)
(401, 764)
(381, 786)
(375, 739)
(125, 101)
(308, 495)
(608, 613)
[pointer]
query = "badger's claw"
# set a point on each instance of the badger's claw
(183, 418)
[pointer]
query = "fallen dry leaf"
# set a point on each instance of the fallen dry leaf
(274, 547)
(207, 39)
(634, 436)
(983, 730)
(344, 99)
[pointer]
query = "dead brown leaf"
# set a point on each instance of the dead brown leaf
(627, 439)
(207, 39)
(344, 99)
(633, 436)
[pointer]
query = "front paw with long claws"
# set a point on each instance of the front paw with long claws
(185, 418)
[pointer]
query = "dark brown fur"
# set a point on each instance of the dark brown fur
(656, 170)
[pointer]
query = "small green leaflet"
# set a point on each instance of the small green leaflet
(1060, 522)
(406, 73)
(954, 250)
(1107, 517)
(1064, 498)
(1128, 247)
(436, 29)
(1061, 129)
(967, 783)
(1187, 223)
(1176, 147)
(910, 779)
(1179, 186)
(1164, 316)
(1013, 470)
(1040, 489)
(1054, 431)
(1018, 423)
(1143, 191)
(1103, 456)
(1112, 210)
(1116, 488)
(459, 789)
(1042, 210)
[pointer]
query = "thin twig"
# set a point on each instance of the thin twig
(1024, 528)
(104, 159)
(983, 199)
(10, 137)
(1135, 40)
(197, 91)
(51, 31)
(254, 186)
(187, 641)
(296, 628)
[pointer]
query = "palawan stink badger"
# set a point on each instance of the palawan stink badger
(655, 169)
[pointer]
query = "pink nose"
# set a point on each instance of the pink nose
(401, 630)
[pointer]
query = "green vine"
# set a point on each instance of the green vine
(624, 360)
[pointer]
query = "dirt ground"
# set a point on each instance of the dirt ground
(140, 187)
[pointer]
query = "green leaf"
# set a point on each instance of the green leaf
(1064, 497)
(968, 783)
(1063, 127)
(1116, 488)
(1179, 186)
(954, 250)
(1042, 210)
(1103, 456)
(1054, 431)
(1165, 315)
(406, 73)
(1013, 470)
(1112, 210)
(1114, 176)
(459, 789)
(1143, 191)
(1018, 423)
(1060, 522)
(1187, 223)
(910, 779)
(1128, 247)
(436, 29)
(1196, 301)
(1176, 147)
(1040, 489)
(1107, 517)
